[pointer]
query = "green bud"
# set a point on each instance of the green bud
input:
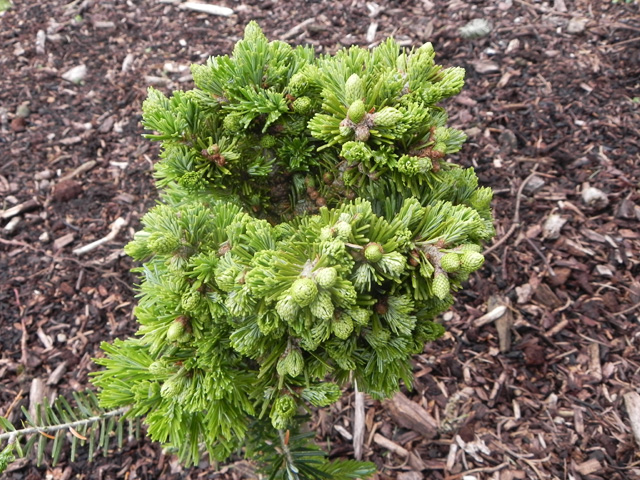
(359, 315)
(481, 198)
(304, 291)
(158, 368)
(294, 363)
(302, 105)
(191, 181)
(471, 261)
(387, 117)
(373, 252)
(322, 306)
(343, 230)
(287, 309)
(440, 285)
(356, 152)
(171, 388)
(342, 327)
(356, 111)
(163, 244)
(353, 89)
(175, 330)
(283, 410)
(190, 301)
(268, 141)
(232, 123)
(298, 84)
(450, 262)
(326, 277)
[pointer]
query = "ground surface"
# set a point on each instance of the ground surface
(552, 90)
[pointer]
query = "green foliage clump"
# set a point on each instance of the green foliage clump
(309, 232)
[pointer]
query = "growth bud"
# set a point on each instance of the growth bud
(175, 330)
(304, 291)
(356, 111)
(471, 261)
(293, 363)
(450, 262)
(373, 252)
(342, 327)
(322, 306)
(302, 105)
(440, 285)
(387, 117)
(326, 277)
(353, 89)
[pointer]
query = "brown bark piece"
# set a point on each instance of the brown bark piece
(410, 415)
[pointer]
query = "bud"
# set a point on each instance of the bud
(343, 230)
(471, 261)
(362, 133)
(481, 198)
(175, 330)
(268, 141)
(359, 315)
(232, 123)
(326, 277)
(353, 89)
(287, 309)
(298, 84)
(450, 262)
(440, 285)
(302, 105)
(387, 117)
(356, 111)
(322, 306)
(163, 244)
(342, 327)
(283, 410)
(304, 291)
(373, 252)
(171, 388)
(190, 301)
(293, 363)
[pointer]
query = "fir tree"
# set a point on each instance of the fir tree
(309, 232)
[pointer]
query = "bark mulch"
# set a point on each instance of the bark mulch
(537, 374)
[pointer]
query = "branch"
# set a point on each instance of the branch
(63, 426)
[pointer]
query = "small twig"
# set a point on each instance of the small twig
(541, 255)
(297, 28)
(358, 422)
(63, 426)
(286, 450)
(626, 310)
(206, 8)
(515, 223)
(115, 229)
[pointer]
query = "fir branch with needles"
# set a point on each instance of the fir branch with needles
(311, 228)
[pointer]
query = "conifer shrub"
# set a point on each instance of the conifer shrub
(310, 229)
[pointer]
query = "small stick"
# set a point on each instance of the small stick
(358, 423)
(115, 229)
(515, 223)
(206, 8)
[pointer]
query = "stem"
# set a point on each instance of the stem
(63, 426)
(287, 452)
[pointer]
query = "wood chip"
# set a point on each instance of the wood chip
(18, 209)
(206, 8)
(632, 403)
(590, 466)
(63, 241)
(409, 414)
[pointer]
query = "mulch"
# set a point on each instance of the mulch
(540, 359)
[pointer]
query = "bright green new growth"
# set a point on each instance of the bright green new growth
(306, 205)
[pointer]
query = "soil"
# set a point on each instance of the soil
(552, 110)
